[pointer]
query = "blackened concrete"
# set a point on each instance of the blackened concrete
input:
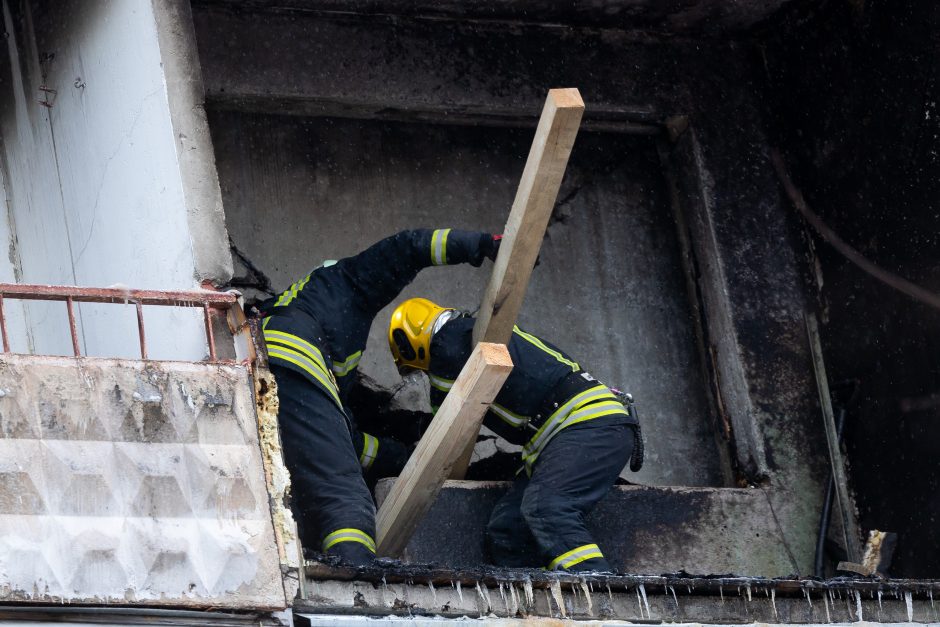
(742, 256)
(640, 529)
(852, 94)
(716, 18)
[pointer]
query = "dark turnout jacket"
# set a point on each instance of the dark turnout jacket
(318, 327)
(547, 391)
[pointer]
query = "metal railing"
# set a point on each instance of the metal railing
(207, 300)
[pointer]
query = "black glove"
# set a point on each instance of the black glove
(490, 245)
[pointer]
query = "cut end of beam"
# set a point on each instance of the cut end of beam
(566, 98)
(495, 355)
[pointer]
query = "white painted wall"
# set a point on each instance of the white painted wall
(94, 180)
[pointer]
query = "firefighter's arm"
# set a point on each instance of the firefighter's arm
(383, 270)
(383, 457)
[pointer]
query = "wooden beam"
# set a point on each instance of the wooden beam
(457, 420)
(525, 228)
(529, 216)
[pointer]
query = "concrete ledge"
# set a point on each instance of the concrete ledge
(640, 529)
(391, 589)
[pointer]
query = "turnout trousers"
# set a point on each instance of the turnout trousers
(334, 509)
(540, 521)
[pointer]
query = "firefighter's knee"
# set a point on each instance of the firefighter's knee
(533, 508)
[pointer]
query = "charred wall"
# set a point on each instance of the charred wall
(692, 102)
(851, 92)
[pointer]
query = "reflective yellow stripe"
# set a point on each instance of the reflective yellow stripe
(298, 359)
(442, 384)
(341, 369)
(297, 343)
(575, 402)
(509, 417)
(439, 247)
(291, 293)
(540, 344)
(597, 410)
(576, 556)
(560, 419)
(370, 450)
(349, 535)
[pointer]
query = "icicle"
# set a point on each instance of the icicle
(502, 595)
(858, 605)
(909, 602)
(587, 595)
(485, 596)
(721, 593)
(881, 608)
(559, 599)
(433, 591)
(529, 595)
(459, 592)
(747, 587)
(773, 603)
(514, 597)
(674, 598)
(808, 599)
(646, 603)
(610, 593)
(826, 601)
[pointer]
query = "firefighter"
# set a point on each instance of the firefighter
(576, 434)
(315, 333)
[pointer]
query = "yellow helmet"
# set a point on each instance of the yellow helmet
(409, 332)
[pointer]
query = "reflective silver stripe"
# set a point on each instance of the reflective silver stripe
(540, 439)
(297, 343)
(513, 419)
(440, 383)
(604, 408)
(439, 247)
(345, 367)
(299, 359)
(576, 556)
(349, 535)
(291, 292)
(370, 449)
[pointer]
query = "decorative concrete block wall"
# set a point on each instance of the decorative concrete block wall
(132, 482)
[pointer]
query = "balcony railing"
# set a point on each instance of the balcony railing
(209, 301)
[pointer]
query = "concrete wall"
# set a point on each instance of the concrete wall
(609, 289)
(93, 172)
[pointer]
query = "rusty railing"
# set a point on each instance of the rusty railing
(207, 300)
